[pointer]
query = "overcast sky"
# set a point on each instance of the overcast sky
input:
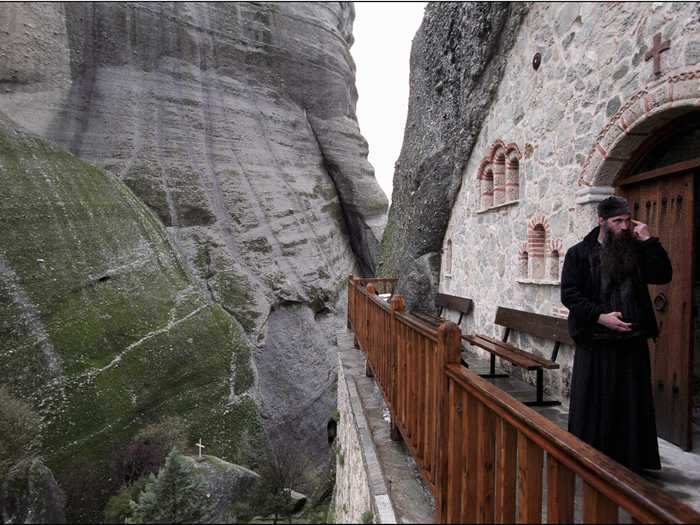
(383, 34)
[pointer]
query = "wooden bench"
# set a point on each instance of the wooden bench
(544, 326)
(460, 304)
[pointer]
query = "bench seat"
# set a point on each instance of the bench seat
(539, 325)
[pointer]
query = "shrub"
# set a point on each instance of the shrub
(176, 495)
(118, 509)
(147, 451)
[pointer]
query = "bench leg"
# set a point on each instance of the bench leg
(540, 402)
(492, 369)
(368, 369)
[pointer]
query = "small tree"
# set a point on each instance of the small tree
(176, 495)
(280, 467)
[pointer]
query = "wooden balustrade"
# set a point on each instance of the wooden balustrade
(487, 457)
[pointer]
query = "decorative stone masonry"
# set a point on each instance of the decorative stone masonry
(486, 185)
(498, 175)
(539, 257)
(513, 157)
(647, 109)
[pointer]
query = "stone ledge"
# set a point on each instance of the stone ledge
(592, 194)
(541, 282)
(497, 207)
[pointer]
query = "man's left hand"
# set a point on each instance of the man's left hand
(641, 230)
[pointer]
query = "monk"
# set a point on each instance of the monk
(604, 286)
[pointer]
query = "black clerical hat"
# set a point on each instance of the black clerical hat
(612, 207)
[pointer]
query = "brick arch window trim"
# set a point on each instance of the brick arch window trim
(486, 186)
(643, 111)
(554, 252)
(499, 175)
(537, 234)
(512, 175)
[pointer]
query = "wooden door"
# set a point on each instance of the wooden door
(665, 203)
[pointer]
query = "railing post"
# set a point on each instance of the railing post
(398, 305)
(370, 357)
(351, 298)
(447, 353)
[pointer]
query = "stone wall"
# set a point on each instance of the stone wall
(574, 121)
(359, 484)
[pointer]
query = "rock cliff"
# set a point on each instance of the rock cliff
(457, 62)
(101, 327)
(200, 268)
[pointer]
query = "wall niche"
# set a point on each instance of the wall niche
(539, 257)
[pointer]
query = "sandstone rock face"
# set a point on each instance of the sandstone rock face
(456, 65)
(30, 494)
(101, 328)
(235, 125)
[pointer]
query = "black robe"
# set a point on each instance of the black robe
(612, 406)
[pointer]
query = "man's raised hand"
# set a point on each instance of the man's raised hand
(641, 230)
(613, 320)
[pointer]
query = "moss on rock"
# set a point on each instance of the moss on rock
(100, 327)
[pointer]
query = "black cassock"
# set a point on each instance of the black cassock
(611, 405)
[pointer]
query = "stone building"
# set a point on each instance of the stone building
(591, 97)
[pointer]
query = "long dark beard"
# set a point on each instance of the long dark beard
(618, 255)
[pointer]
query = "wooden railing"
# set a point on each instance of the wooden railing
(483, 453)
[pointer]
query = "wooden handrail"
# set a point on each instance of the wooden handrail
(475, 445)
(625, 488)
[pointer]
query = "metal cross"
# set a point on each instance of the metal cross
(200, 447)
(655, 52)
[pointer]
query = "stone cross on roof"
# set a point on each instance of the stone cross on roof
(655, 52)
(199, 444)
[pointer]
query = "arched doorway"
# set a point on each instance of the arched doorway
(661, 181)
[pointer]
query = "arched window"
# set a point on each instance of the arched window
(486, 187)
(553, 256)
(536, 241)
(513, 157)
(499, 176)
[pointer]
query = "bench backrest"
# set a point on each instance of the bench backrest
(452, 302)
(545, 326)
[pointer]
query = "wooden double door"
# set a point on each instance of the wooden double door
(665, 200)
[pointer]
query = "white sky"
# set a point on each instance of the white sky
(383, 34)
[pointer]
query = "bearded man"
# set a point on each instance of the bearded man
(604, 286)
